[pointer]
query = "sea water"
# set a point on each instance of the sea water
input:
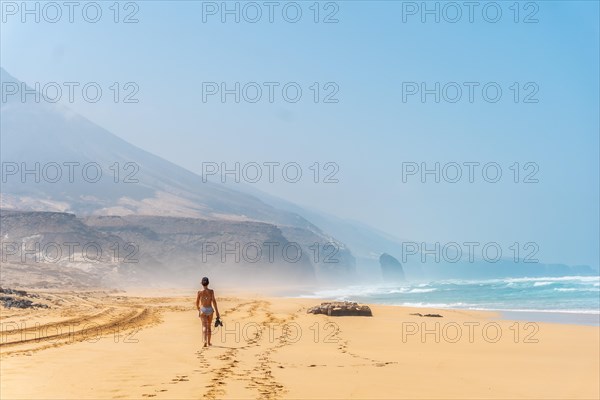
(568, 294)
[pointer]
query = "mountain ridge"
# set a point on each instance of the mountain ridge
(44, 137)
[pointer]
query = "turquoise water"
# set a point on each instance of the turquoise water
(573, 294)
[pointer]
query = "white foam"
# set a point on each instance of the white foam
(576, 290)
(421, 290)
(556, 279)
(477, 308)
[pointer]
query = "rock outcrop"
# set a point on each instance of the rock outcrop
(341, 308)
(391, 269)
(428, 315)
(17, 300)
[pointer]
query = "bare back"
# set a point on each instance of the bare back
(206, 297)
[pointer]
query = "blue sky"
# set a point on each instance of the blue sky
(370, 132)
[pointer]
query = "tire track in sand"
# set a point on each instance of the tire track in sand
(111, 321)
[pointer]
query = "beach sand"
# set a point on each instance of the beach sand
(140, 345)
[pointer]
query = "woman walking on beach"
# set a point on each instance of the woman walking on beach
(204, 302)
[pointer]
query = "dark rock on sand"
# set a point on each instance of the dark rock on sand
(428, 315)
(14, 291)
(11, 301)
(341, 308)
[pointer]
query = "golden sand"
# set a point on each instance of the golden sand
(114, 345)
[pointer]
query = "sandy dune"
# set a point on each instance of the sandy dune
(110, 345)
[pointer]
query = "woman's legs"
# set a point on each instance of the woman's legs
(205, 328)
(209, 329)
